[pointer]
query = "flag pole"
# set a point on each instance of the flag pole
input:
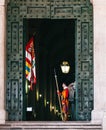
(58, 94)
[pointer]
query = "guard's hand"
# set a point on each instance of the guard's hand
(58, 92)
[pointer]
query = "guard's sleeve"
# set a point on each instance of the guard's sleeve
(66, 94)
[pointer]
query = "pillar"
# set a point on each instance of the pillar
(99, 13)
(2, 61)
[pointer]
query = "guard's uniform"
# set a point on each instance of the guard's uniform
(65, 102)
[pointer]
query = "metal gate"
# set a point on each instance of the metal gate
(81, 11)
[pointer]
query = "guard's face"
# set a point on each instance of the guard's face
(63, 85)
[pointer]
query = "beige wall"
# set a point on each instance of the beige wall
(2, 2)
(99, 13)
(2, 61)
(99, 8)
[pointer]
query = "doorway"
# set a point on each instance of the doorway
(54, 42)
(18, 34)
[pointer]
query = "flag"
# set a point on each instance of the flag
(30, 62)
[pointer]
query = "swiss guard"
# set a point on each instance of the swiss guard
(64, 101)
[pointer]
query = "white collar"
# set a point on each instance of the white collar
(65, 87)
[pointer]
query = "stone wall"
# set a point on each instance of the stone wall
(99, 7)
(2, 60)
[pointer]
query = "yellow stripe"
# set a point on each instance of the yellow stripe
(27, 72)
(27, 64)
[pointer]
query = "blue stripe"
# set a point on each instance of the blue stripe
(27, 68)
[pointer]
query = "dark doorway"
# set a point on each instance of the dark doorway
(54, 42)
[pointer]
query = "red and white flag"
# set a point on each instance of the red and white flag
(30, 63)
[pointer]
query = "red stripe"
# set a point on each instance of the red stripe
(29, 44)
(27, 60)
